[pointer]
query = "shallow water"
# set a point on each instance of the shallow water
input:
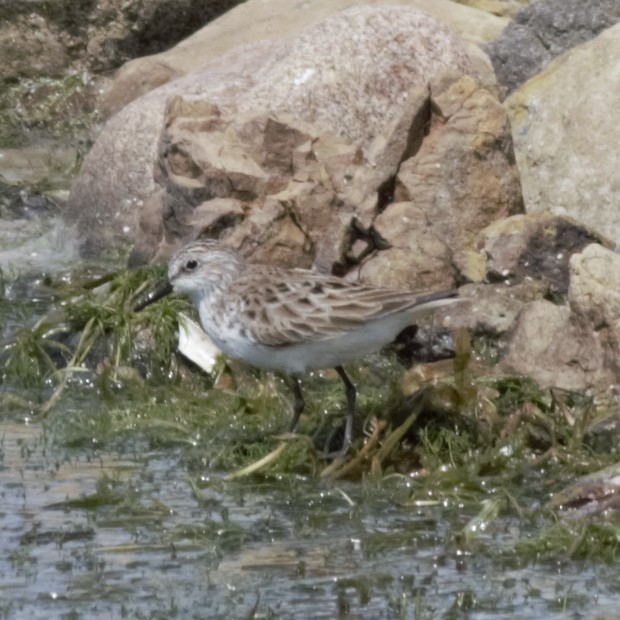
(35, 246)
(165, 546)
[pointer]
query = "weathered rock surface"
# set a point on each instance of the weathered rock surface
(463, 175)
(296, 191)
(534, 246)
(116, 180)
(256, 21)
(309, 196)
(416, 259)
(461, 178)
(566, 130)
(351, 73)
(576, 346)
(116, 177)
(549, 347)
(492, 308)
(542, 31)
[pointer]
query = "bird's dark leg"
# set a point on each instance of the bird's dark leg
(351, 394)
(295, 385)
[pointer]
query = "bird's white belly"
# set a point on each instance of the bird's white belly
(312, 355)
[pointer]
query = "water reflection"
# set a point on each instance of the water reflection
(130, 535)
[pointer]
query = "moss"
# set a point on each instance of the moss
(576, 540)
(47, 108)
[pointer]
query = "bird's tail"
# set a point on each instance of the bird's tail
(431, 301)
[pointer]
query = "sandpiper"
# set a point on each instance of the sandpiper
(292, 320)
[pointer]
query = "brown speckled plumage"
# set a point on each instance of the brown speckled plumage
(292, 320)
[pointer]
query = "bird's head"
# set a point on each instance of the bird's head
(199, 268)
(202, 267)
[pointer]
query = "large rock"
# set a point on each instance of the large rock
(300, 195)
(391, 49)
(566, 128)
(350, 73)
(306, 195)
(108, 196)
(542, 31)
(258, 21)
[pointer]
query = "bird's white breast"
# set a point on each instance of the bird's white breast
(303, 356)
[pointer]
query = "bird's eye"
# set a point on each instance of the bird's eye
(191, 264)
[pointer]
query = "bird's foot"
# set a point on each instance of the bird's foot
(346, 442)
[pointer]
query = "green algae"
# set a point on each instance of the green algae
(48, 108)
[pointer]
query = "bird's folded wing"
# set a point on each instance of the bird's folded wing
(315, 307)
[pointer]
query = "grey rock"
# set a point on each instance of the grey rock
(544, 30)
(256, 21)
(566, 130)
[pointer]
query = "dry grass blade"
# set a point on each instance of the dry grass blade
(250, 469)
(393, 439)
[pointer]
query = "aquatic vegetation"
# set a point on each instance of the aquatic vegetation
(29, 356)
(94, 332)
(109, 377)
(92, 327)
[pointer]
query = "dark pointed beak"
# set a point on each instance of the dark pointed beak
(161, 290)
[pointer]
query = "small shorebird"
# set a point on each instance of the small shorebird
(291, 320)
